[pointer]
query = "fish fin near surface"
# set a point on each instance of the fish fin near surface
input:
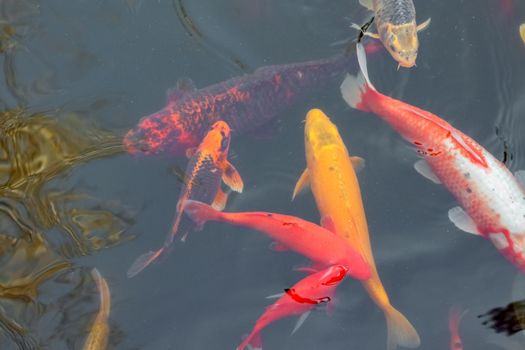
(221, 198)
(400, 330)
(424, 25)
(358, 163)
(302, 184)
(232, 178)
(462, 220)
(520, 176)
(424, 169)
(143, 261)
(184, 87)
(368, 4)
(200, 212)
(278, 247)
(300, 321)
(328, 223)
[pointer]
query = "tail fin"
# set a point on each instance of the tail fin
(200, 212)
(252, 342)
(400, 331)
(354, 87)
(143, 261)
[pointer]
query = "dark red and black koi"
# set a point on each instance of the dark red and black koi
(207, 167)
(245, 103)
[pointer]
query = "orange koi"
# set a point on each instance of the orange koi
(315, 289)
(331, 176)
(306, 238)
(455, 316)
(207, 166)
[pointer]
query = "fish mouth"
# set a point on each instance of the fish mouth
(135, 143)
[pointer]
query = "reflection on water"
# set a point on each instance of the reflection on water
(43, 223)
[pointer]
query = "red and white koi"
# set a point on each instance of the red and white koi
(492, 199)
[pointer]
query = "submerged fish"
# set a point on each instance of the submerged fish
(331, 176)
(306, 238)
(317, 288)
(245, 103)
(509, 319)
(454, 318)
(98, 335)
(397, 29)
(522, 32)
(206, 168)
(492, 199)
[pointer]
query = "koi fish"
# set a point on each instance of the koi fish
(454, 318)
(397, 28)
(206, 168)
(509, 319)
(331, 176)
(317, 288)
(492, 200)
(314, 242)
(245, 103)
(98, 335)
(522, 32)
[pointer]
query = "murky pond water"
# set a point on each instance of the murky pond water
(77, 75)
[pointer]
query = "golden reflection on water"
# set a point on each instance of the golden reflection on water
(44, 223)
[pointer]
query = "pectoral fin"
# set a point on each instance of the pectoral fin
(232, 178)
(462, 220)
(278, 247)
(302, 183)
(367, 33)
(423, 168)
(358, 163)
(423, 26)
(367, 3)
(300, 321)
(328, 223)
(220, 200)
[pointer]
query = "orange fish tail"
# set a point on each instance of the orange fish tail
(400, 330)
(200, 212)
(455, 316)
(144, 261)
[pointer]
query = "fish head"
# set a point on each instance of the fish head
(217, 141)
(159, 133)
(319, 133)
(401, 41)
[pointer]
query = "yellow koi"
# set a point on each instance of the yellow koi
(331, 176)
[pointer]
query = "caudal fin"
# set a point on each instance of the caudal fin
(400, 331)
(200, 212)
(354, 87)
(251, 342)
(143, 261)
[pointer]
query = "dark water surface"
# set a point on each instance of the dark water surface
(78, 74)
